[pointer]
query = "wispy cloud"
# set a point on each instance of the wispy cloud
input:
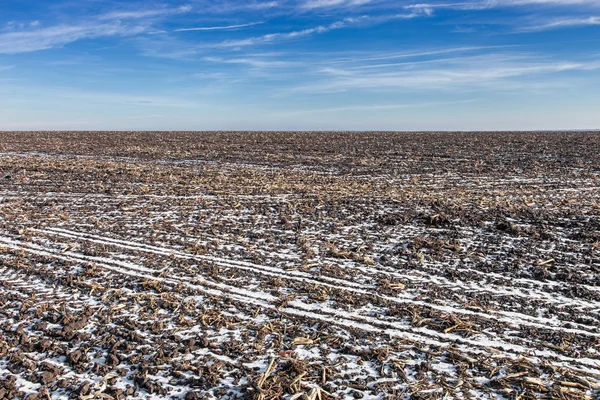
(490, 4)
(223, 7)
(547, 2)
(262, 5)
(563, 23)
(311, 4)
(173, 47)
(471, 72)
(217, 28)
(378, 107)
(134, 22)
(345, 23)
(60, 35)
(271, 37)
(138, 14)
(413, 54)
(24, 39)
(571, 10)
(253, 62)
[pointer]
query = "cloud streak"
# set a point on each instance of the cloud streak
(217, 28)
(139, 14)
(313, 4)
(60, 35)
(345, 23)
(253, 62)
(272, 37)
(472, 72)
(548, 2)
(106, 25)
(379, 107)
(564, 23)
(488, 4)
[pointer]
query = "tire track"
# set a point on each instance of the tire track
(513, 319)
(324, 314)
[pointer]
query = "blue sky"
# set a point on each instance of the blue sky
(300, 64)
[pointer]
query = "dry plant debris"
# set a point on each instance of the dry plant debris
(300, 265)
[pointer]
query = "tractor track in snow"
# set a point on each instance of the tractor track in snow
(299, 309)
(512, 318)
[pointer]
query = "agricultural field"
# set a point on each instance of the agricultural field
(299, 265)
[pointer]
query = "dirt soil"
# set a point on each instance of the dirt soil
(299, 265)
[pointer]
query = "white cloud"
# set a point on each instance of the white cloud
(548, 2)
(235, 6)
(495, 71)
(59, 35)
(139, 14)
(217, 28)
(262, 6)
(575, 8)
(23, 39)
(346, 22)
(392, 56)
(253, 62)
(486, 4)
(311, 4)
(564, 23)
(378, 107)
(271, 37)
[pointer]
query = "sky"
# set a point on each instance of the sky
(299, 65)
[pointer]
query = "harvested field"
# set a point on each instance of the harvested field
(300, 265)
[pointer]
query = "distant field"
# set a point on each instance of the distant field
(300, 265)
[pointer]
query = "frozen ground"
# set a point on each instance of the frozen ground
(264, 266)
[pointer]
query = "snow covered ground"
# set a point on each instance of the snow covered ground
(124, 276)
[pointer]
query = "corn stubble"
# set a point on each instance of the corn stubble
(305, 265)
